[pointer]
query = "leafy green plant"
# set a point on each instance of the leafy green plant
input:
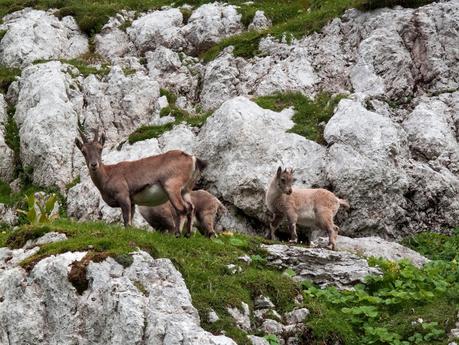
(271, 339)
(40, 208)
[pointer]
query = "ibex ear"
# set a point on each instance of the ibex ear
(102, 139)
(78, 143)
(279, 171)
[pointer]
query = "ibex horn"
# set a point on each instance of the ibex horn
(96, 134)
(80, 130)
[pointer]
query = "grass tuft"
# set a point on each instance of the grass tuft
(310, 115)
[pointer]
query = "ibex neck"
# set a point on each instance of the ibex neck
(99, 176)
(273, 194)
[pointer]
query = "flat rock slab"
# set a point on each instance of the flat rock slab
(321, 266)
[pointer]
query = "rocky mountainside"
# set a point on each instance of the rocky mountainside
(391, 146)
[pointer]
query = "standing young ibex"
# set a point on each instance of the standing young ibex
(206, 209)
(149, 181)
(307, 207)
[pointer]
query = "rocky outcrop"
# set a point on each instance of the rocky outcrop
(6, 153)
(321, 266)
(46, 112)
(244, 144)
(37, 35)
(209, 23)
(146, 302)
(378, 248)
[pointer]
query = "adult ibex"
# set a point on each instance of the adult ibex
(307, 207)
(149, 181)
(206, 209)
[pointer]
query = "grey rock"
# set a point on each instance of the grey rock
(47, 118)
(233, 269)
(260, 22)
(380, 248)
(246, 259)
(32, 35)
(296, 316)
(263, 302)
(49, 237)
(212, 316)
(321, 266)
(8, 215)
(157, 28)
(112, 42)
(111, 310)
(257, 340)
(272, 327)
(241, 317)
(6, 153)
(210, 23)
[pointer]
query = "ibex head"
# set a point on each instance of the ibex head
(91, 150)
(284, 180)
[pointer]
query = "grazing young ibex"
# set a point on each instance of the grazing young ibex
(206, 209)
(149, 181)
(307, 207)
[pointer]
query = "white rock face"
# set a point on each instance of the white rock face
(323, 267)
(379, 248)
(43, 306)
(158, 28)
(176, 73)
(112, 42)
(8, 215)
(6, 154)
(260, 22)
(244, 144)
(46, 112)
(32, 35)
(209, 23)
(119, 104)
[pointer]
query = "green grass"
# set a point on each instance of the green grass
(85, 65)
(295, 18)
(180, 115)
(393, 302)
(7, 76)
(435, 246)
(309, 114)
(201, 261)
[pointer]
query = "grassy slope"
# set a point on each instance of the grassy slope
(400, 297)
(201, 261)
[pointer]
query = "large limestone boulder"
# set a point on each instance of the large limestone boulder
(119, 103)
(113, 42)
(209, 23)
(6, 154)
(321, 266)
(158, 28)
(146, 302)
(244, 144)
(175, 72)
(32, 35)
(46, 113)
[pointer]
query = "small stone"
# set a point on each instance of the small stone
(233, 269)
(212, 316)
(454, 333)
(262, 302)
(272, 327)
(242, 318)
(257, 340)
(296, 316)
(162, 102)
(246, 259)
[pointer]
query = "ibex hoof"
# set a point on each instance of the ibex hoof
(177, 234)
(188, 234)
(295, 240)
(330, 247)
(212, 235)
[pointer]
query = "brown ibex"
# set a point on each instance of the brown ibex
(206, 209)
(307, 207)
(149, 181)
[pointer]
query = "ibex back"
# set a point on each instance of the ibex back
(149, 181)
